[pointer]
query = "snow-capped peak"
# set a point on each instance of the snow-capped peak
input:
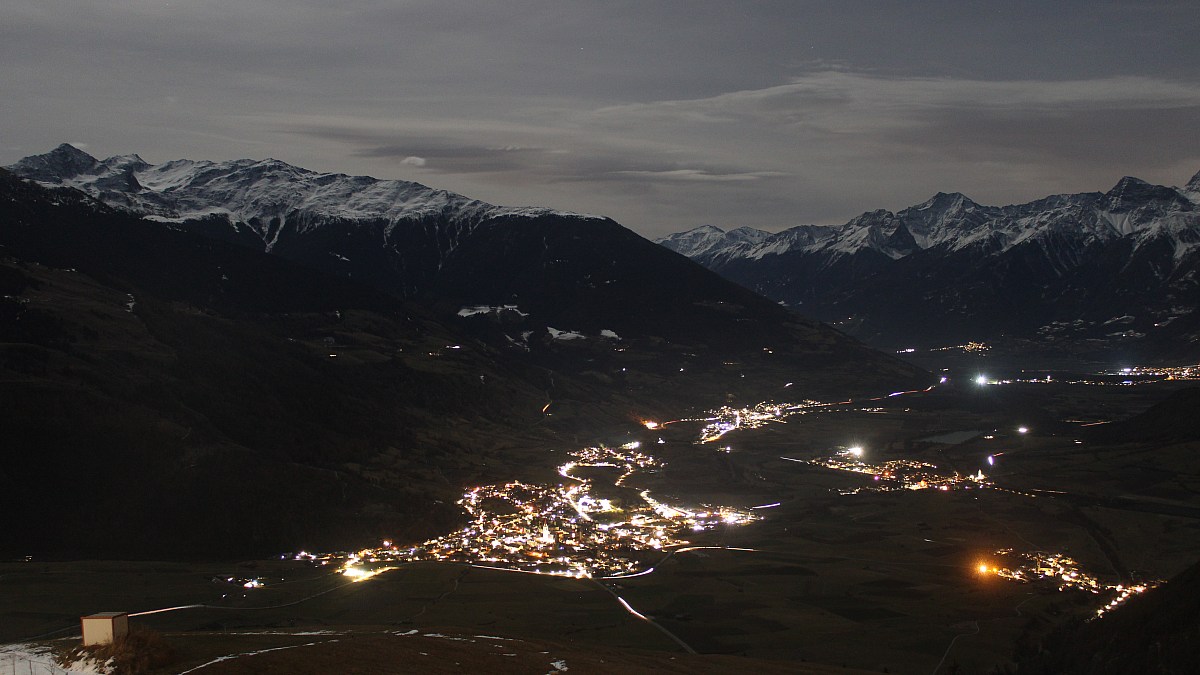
(955, 222)
(695, 241)
(252, 192)
(65, 161)
(1130, 193)
(1193, 185)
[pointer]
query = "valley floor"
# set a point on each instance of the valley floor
(923, 532)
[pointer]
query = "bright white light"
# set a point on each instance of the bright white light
(857, 451)
(981, 380)
(1022, 430)
(943, 380)
(991, 460)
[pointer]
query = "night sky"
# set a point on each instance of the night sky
(664, 115)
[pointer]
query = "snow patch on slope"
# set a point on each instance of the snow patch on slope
(564, 334)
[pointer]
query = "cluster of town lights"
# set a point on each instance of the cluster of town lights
(726, 419)
(1060, 571)
(575, 529)
(563, 530)
(1134, 375)
(968, 348)
(1169, 372)
(895, 474)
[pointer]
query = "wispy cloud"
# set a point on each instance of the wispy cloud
(821, 147)
(661, 114)
(696, 175)
(836, 100)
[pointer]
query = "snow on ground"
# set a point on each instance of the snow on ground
(231, 657)
(606, 333)
(38, 660)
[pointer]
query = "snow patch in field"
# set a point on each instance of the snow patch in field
(564, 334)
(486, 309)
(447, 637)
(606, 333)
(231, 657)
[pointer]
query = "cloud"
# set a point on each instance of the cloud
(840, 101)
(874, 140)
(695, 175)
(661, 114)
(460, 147)
(821, 147)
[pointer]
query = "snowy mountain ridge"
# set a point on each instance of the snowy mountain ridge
(952, 269)
(254, 192)
(1132, 208)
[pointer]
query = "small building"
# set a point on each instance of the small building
(104, 627)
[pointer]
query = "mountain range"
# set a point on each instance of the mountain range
(1111, 271)
(524, 277)
(230, 344)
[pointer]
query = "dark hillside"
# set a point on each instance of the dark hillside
(1157, 632)
(1173, 420)
(171, 395)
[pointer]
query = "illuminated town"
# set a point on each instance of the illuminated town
(594, 524)
(1131, 375)
(1060, 571)
(894, 474)
(1168, 372)
(564, 530)
(726, 419)
(971, 347)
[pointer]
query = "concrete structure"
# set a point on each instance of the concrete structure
(104, 627)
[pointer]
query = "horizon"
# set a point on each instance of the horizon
(83, 147)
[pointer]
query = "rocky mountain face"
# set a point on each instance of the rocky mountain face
(1112, 271)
